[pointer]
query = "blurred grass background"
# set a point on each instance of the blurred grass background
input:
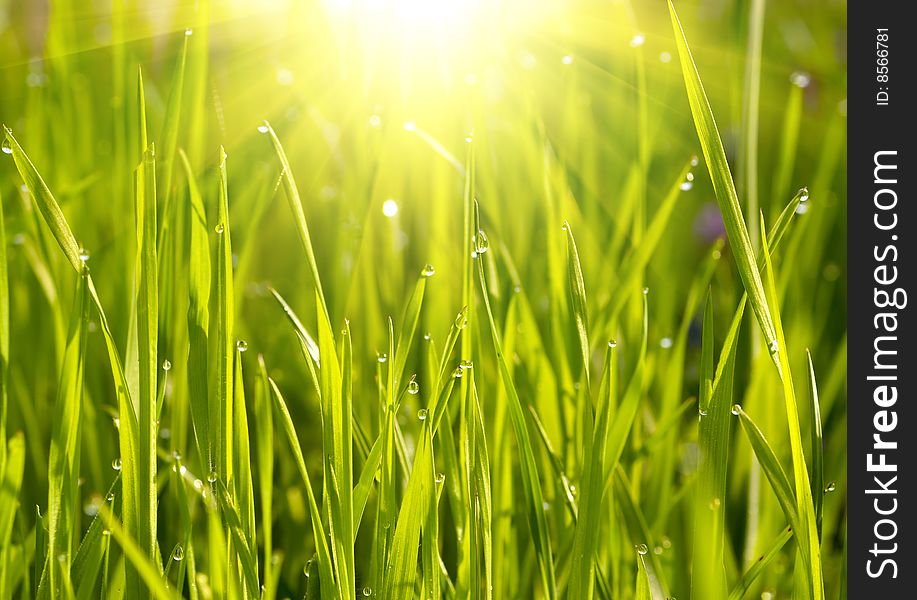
(577, 112)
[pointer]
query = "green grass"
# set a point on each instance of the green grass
(302, 302)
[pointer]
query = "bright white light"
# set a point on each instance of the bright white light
(413, 12)
(389, 208)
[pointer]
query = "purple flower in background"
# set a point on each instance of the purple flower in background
(708, 224)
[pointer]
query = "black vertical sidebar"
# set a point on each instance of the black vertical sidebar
(882, 421)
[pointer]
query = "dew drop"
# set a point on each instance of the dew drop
(694, 161)
(110, 497)
(428, 270)
(422, 414)
(736, 409)
(803, 194)
(166, 365)
(481, 244)
(702, 412)
(106, 532)
(646, 291)
(830, 487)
(427, 337)
(264, 128)
(461, 320)
(6, 147)
(382, 357)
(685, 186)
(413, 387)
(178, 554)
(689, 176)
(189, 32)
(440, 477)
(241, 345)
(367, 591)
(457, 373)
(641, 549)
(198, 484)
(116, 464)
(613, 344)
(220, 228)
(801, 79)
(84, 254)
(212, 477)
(665, 342)
(773, 346)
(466, 364)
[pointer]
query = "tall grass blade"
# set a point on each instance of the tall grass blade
(723, 185)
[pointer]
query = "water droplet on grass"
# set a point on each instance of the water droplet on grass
(116, 464)
(736, 409)
(641, 549)
(212, 477)
(466, 364)
(178, 554)
(241, 345)
(382, 358)
(801, 79)
(461, 319)
(830, 487)
(773, 346)
(220, 228)
(685, 186)
(413, 387)
(422, 414)
(428, 270)
(481, 244)
(440, 477)
(189, 32)
(6, 147)
(166, 365)
(367, 591)
(263, 128)
(613, 344)
(84, 254)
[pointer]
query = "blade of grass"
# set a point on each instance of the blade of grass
(13, 468)
(818, 450)
(723, 186)
(592, 487)
(805, 507)
(264, 451)
(221, 415)
(531, 481)
(198, 318)
(760, 565)
(708, 579)
(147, 570)
(324, 560)
(64, 457)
